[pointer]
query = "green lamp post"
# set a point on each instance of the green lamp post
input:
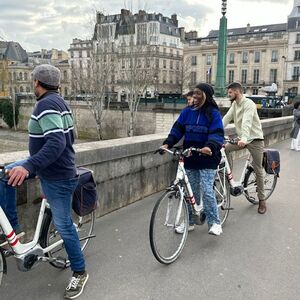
(220, 86)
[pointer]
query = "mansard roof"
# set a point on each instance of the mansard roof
(13, 51)
(271, 28)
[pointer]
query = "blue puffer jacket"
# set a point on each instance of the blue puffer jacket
(200, 128)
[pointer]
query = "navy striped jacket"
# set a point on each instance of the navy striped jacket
(51, 139)
(200, 129)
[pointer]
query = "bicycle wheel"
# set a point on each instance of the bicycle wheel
(222, 192)
(2, 265)
(250, 186)
(168, 214)
(49, 235)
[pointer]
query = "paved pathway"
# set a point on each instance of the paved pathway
(257, 257)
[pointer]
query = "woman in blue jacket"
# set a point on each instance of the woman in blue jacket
(201, 126)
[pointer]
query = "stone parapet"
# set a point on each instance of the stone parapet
(126, 170)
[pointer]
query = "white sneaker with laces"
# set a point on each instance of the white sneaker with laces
(180, 229)
(215, 229)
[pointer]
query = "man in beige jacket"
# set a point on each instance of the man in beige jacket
(243, 113)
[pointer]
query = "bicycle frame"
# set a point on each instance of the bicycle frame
(19, 250)
(233, 183)
(181, 176)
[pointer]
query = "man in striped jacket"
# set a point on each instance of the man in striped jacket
(52, 158)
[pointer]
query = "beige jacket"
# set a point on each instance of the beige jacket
(246, 120)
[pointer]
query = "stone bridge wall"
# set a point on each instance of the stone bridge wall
(125, 169)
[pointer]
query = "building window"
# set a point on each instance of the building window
(244, 76)
(255, 92)
(296, 73)
(177, 65)
(157, 63)
(273, 75)
(20, 76)
(297, 55)
(27, 89)
(65, 75)
(193, 78)
(298, 39)
(208, 59)
(257, 57)
(245, 57)
(171, 64)
(66, 91)
(256, 76)
(231, 58)
(194, 60)
(208, 76)
(164, 64)
(231, 76)
(25, 76)
(274, 57)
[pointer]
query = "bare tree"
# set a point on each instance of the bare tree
(93, 78)
(138, 70)
(186, 82)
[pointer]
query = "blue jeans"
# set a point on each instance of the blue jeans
(202, 182)
(8, 198)
(59, 196)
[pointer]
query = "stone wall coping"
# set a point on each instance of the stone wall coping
(129, 146)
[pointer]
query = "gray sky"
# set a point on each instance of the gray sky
(37, 24)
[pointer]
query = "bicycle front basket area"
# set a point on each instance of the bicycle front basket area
(85, 198)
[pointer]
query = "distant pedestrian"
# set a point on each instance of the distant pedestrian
(189, 98)
(295, 133)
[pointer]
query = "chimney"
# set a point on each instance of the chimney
(174, 19)
(182, 33)
(248, 28)
(98, 16)
(125, 12)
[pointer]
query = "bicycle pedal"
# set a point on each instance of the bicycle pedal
(62, 262)
(229, 208)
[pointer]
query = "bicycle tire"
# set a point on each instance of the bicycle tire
(2, 266)
(163, 228)
(222, 197)
(270, 181)
(49, 235)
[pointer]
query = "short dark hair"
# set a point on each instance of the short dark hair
(189, 94)
(296, 104)
(235, 86)
(48, 87)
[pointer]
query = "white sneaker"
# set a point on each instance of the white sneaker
(180, 229)
(215, 229)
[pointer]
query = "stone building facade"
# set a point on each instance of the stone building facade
(257, 56)
(141, 33)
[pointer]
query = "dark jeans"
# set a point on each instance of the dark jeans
(59, 196)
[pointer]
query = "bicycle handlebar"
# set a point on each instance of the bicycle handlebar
(232, 141)
(176, 152)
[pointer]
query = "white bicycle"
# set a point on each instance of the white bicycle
(171, 211)
(47, 245)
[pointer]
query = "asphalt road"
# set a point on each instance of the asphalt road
(257, 257)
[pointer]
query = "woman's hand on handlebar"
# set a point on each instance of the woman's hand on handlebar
(206, 151)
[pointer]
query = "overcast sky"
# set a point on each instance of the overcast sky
(37, 24)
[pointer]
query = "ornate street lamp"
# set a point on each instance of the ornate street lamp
(220, 86)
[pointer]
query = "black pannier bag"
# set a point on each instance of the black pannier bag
(85, 198)
(271, 161)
